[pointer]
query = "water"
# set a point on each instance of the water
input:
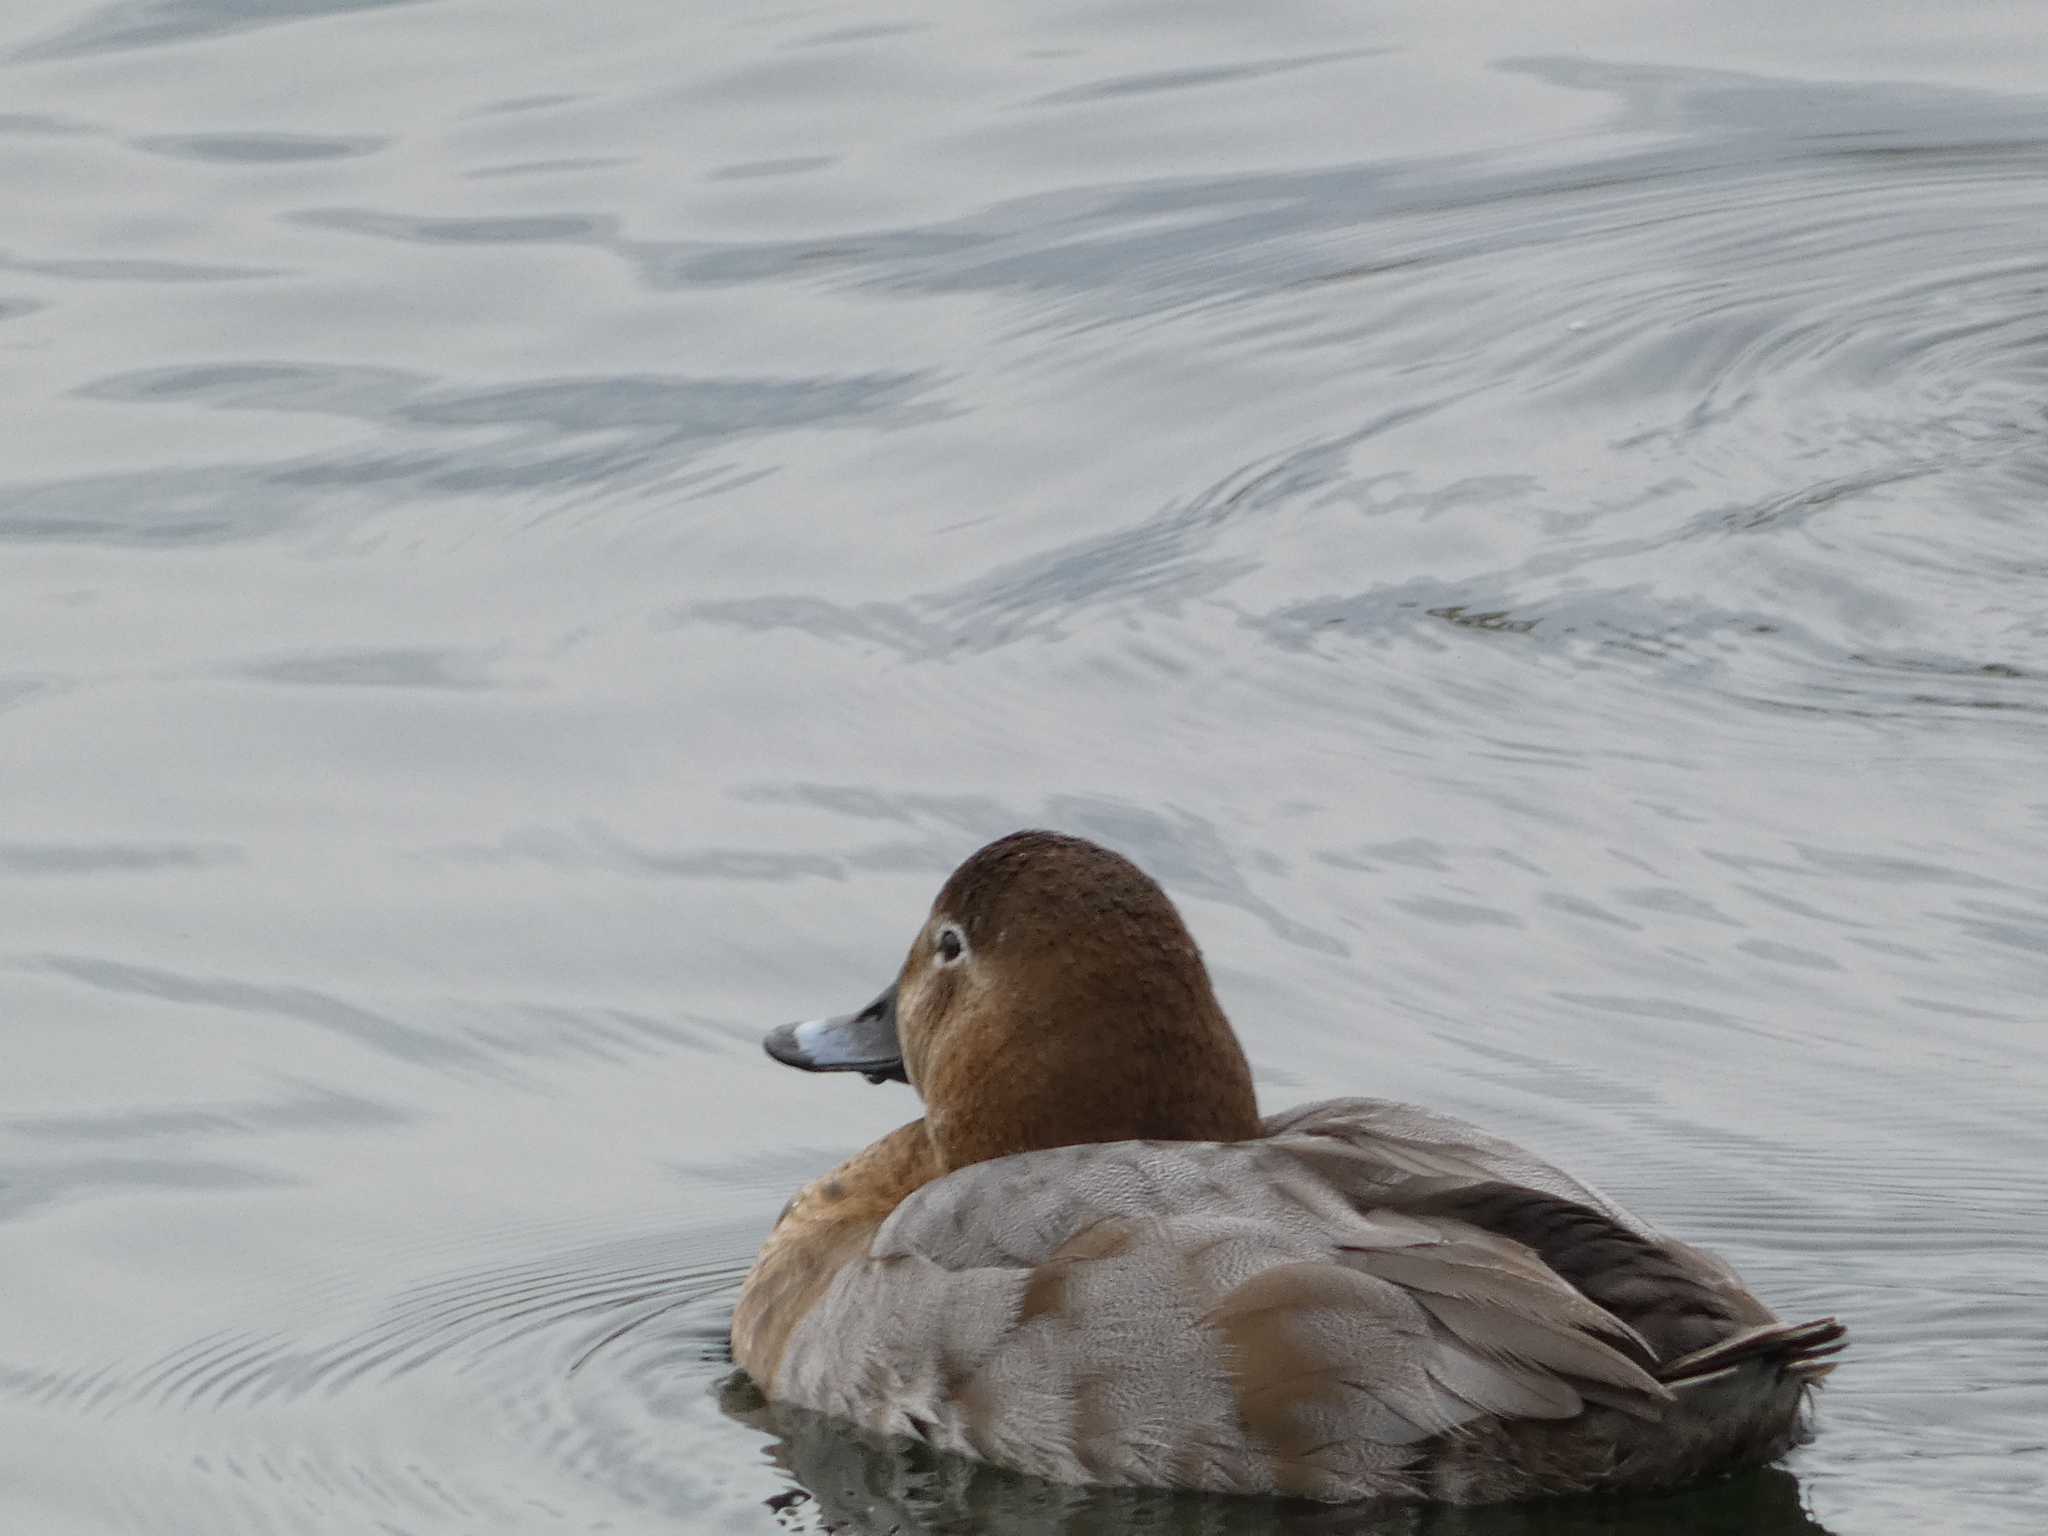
(532, 536)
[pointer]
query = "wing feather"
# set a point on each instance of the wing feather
(1279, 1316)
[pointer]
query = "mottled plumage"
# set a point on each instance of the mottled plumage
(1350, 1299)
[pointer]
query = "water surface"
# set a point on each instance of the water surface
(532, 536)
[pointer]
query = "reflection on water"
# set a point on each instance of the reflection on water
(842, 1483)
(533, 537)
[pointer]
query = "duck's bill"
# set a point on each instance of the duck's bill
(863, 1042)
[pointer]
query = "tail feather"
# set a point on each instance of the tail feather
(1804, 1351)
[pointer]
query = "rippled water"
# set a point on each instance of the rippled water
(531, 536)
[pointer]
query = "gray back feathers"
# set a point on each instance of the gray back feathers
(1370, 1300)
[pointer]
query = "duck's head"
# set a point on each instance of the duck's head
(1052, 997)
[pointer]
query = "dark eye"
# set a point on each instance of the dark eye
(951, 945)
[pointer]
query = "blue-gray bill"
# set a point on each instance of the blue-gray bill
(863, 1042)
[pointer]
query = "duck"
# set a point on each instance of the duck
(1093, 1261)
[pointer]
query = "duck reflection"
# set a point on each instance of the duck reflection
(848, 1483)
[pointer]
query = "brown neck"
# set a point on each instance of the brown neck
(1183, 1078)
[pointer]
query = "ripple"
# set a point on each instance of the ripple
(304, 1004)
(507, 440)
(112, 858)
(441, 670)
(1721, 318)
(756, 170)
(592, 1361)
(578, 1306)
(258, 148)
(1798, 329)
(1197, 78)
(40, 125)
(27, 1187)
(1028, 598)
(134, 269)
(126, 24)
(310, 1109)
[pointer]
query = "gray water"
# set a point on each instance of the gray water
(533, 535)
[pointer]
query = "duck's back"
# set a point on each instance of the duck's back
(1369, 1300)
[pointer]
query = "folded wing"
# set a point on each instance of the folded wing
(1303, 1314)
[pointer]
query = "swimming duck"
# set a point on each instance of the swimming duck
(1091, 1260)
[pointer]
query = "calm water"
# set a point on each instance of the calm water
(532, 535)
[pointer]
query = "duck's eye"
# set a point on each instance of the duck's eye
(950, 945)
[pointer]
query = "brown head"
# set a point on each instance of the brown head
(1052, 997)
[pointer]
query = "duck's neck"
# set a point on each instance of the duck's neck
(1183, 1080)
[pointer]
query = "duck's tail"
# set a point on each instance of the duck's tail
(1803, 1352)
